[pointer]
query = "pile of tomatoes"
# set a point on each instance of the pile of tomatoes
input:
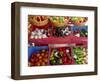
(39, 59)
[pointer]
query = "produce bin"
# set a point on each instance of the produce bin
(61, 54)
(38, 56)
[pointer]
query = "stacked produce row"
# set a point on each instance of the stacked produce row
(44, 56)
(53, 27)
(56, 26)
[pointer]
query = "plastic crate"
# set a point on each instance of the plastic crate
(35, 49)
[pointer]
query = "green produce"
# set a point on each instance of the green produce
(80, 55)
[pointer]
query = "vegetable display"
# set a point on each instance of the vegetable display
(69, 33)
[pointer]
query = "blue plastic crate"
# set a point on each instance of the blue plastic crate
(35, 49)
(75, 28)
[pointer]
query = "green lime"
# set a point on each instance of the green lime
(74, 18)
(61, 19)
(54, 18)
